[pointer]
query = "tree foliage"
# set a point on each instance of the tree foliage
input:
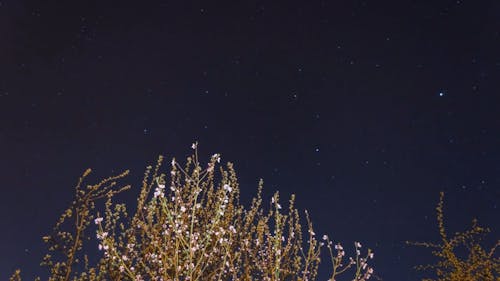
(477, 264)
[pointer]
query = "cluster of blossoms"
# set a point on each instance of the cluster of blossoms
(197, 230)
(159, 191)
(363, 270)
(193, 230)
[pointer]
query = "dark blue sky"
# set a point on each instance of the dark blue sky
(365, 110)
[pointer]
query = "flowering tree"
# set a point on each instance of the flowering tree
(190, 226)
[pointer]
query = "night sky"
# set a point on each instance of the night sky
(364, 109)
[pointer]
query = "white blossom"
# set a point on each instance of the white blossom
(102, 235)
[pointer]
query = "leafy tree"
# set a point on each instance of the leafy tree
(478, 264)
